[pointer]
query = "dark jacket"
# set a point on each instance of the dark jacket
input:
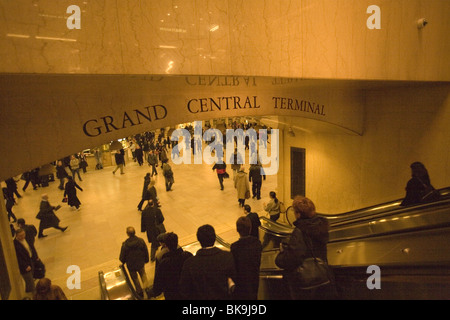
(151, 217)
(134, 253)
(47, 216)
(205, 276)
(254, 218)
(30, 233)
(247, 259)
(416, 189)
(168, 272)
(254, 173)
(120, 158)
(316, 229)
(61, 172)
(71, 192)
(23, 256)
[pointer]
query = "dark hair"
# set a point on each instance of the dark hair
(171, 241)
(419, 171)
(247, 208)
(243, 226)
(273, 195)
(206, 235)
(21, 221)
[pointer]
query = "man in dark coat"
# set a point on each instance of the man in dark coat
(120, 161)
(255, 176)
(151, 222)
(30, 231)
(48, 217)
(167, 273)
(207, 275)
(134, 254)
(247, 258)
(26, 256)
(221, 172)
(254, 218)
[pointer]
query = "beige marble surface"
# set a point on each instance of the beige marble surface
(325, 39)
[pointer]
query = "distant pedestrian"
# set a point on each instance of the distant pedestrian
(419, 188)
(256, 176)
(152, 222)
(75, 167)
(120, 161)
(9, 202)
(242, 186)
(168, 175)
(153, 161)
(134, 254)
(247, 259)
(61, 174)
(221, 169)
(70, 191)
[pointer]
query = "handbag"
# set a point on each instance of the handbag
(39, 269)
(313, 272)
(247, 194)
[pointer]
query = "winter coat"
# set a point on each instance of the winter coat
(273, 208)
(255, 173)
(168, 273)
(24, 258)
(61, 172)
(247, 259)
(134, 253)
(205, 275)
(151, 218)
(47, 216)
(241, 184)
(71, 192)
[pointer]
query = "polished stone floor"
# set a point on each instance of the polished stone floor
(109, 205)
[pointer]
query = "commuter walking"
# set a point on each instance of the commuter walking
(152, 222)
(11, 185)
(221, 169)
(70, 191)
(273, 207)
(309, 239)
(75, 167)
(139, 154)
(145, 192)
(61, 174)
(9, 202)
(47, 217)
(120, 161)
(167, 273)
(168, 175)
(134, 254)
(209, 274)
(247, 259)
(242, 186)
(153, 161)
(256, 176)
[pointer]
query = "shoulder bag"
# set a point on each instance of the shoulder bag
(313, 272)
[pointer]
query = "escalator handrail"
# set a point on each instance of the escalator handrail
(129, 283)
(103, 290)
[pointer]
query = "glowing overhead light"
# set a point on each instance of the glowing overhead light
(214, 28)
(167, 47)
(13, 35)
(170, 65)
(56, 39)
(173, 30)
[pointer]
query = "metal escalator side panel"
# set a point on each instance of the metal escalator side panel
(114, 285)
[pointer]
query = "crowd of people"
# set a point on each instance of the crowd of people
(211, 273)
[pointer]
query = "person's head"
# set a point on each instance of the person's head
(272, 194)
(44, 197)
(131, 232)
(247, 208)
(60, 163)
(20, 234)
(206, 235)
(21, 222)
(418, 170)
(69, 178)
(303, 207)
(171, 241)
(243, 226)
(43, 286)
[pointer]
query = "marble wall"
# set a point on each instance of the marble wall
(346, 172)
(324, 39)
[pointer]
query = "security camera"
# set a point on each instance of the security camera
(421, 23)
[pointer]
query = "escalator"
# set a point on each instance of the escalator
(408, 244)
(116, 285)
